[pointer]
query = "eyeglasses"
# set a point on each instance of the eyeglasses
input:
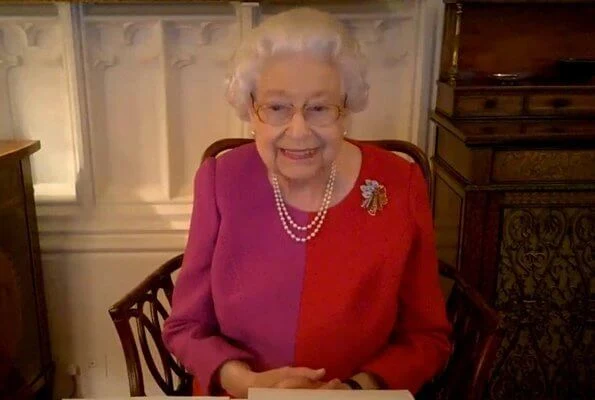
(278, 114)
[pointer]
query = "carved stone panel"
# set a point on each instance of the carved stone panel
(546, 291)
(124, 88)
(388, 40)
(156, 90)
(198, 51)
(34, 96)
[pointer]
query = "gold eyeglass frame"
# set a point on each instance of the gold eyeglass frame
(341, 110)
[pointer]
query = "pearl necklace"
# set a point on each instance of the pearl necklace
(316, 223)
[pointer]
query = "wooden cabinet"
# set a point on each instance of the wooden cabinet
(514, 187)
(26, 367)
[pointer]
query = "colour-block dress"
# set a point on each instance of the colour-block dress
(362, 296)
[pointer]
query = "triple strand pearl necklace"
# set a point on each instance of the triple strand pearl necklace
(316, 223)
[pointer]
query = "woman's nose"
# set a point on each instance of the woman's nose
(298, 126)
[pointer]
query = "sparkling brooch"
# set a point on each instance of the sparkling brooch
(374, 195)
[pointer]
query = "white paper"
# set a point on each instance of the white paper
(307, 394)
(156, 398)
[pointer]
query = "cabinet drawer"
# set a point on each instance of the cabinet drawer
(548, 104)
(502, 105)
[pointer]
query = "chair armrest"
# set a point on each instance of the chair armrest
(471, 293)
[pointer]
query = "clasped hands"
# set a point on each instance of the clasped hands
(236, 378)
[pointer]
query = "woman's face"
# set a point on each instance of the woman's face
(298, 116)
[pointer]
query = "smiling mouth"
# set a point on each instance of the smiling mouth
(299, 154)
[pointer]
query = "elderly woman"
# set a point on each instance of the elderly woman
(310, 261)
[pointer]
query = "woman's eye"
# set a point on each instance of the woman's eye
(276, 106)
(318, 108)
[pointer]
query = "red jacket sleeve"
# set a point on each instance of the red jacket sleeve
(421, 345)
(191, 333)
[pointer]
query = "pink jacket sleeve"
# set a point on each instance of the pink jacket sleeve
(191, 333)
(421, 345)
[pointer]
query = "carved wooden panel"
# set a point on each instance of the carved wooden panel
(547, 198)
(544, 165)
(545, 289)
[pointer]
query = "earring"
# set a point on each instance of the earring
(345, 132)
(252, 132)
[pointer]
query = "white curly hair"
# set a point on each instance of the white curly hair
(297, 31)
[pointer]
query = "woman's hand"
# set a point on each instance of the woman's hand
(335, 384)
(236, 378)
(288, 378)
(305, 383)
(366, 381)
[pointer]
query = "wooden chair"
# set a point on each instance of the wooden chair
(475, 324)
(397, 146)
(476, 338)
(170, 376)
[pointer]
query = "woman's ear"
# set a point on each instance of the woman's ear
(253, 118)
(251, 114)
(347, 121)
(252, 121)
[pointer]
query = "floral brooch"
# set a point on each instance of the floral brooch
(374, 195)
